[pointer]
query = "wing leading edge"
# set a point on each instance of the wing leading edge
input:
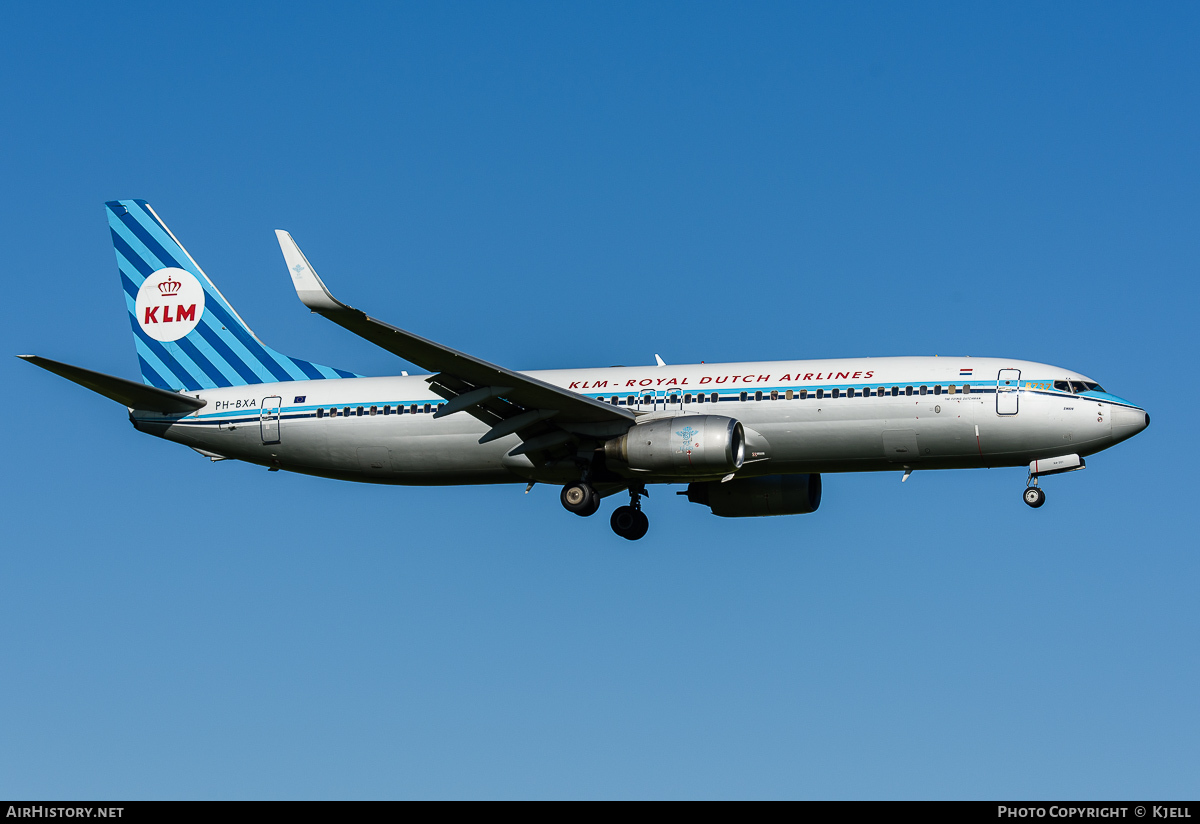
(543, 415)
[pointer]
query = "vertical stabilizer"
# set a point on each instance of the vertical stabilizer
(188, 336)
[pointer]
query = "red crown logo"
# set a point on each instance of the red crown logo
(169, 287)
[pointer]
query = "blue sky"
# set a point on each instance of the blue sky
(550, 186)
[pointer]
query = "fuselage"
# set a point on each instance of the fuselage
(844, 415)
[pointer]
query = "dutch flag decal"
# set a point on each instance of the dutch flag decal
(966, 373)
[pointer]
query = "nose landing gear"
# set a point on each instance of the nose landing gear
(629, 521)
(1034, 496)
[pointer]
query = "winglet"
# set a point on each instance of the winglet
(309, 287)
(661, 362)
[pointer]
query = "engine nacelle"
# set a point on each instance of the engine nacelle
(756, 497)
(687, 445)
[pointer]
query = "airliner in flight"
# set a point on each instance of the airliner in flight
(748, 439)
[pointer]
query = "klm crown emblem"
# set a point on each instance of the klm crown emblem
(170, 287)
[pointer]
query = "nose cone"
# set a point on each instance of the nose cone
(1127, 421)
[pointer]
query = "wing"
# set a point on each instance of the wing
(546, 417)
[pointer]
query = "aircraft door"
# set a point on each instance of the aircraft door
(1006, 391)
(268, 418)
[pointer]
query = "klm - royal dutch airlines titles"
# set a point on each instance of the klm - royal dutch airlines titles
(747, 439)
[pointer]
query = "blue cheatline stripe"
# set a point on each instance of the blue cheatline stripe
(150, 376)
(155, 239)
(214, 374)
(307, 368)
(175, 361)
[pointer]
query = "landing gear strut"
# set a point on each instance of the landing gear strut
(580, 498)
(629, 521)
(1034, 496)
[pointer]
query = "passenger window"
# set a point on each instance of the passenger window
(866, 393)
(320, 413)
(374, 410)
(908, 390)
(359, 412)
(743, 397)
(629, 401)
(714, 397)
(345, 411)
(950, 389)
(803, 394)
(699, 399)
(923, 390)
(788, 395)
(879, 393)
(758, 396)
(820, 394)
(427, 408)
(937, 390)
(837, 393)
(774, 395)
(412, 410)
(966, 389)
(672, 398)
(687, 398)
(895, 391)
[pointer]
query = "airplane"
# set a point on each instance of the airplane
(748, 439)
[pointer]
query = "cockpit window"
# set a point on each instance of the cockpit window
(1075, 387)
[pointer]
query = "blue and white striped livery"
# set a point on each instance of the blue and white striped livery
(747, 439)
(217, 349)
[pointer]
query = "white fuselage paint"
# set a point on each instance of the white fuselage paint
(800, 435)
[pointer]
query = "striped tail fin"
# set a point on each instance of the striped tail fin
(188, 337)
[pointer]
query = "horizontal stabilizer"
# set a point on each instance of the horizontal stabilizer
(126, 392)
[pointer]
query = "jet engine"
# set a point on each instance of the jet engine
(687, 445)
(755, 497)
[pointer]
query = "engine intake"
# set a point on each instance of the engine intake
(756, 497)
(687, 445)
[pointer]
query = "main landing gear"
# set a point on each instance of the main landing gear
(580, 498)
(627, 521)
